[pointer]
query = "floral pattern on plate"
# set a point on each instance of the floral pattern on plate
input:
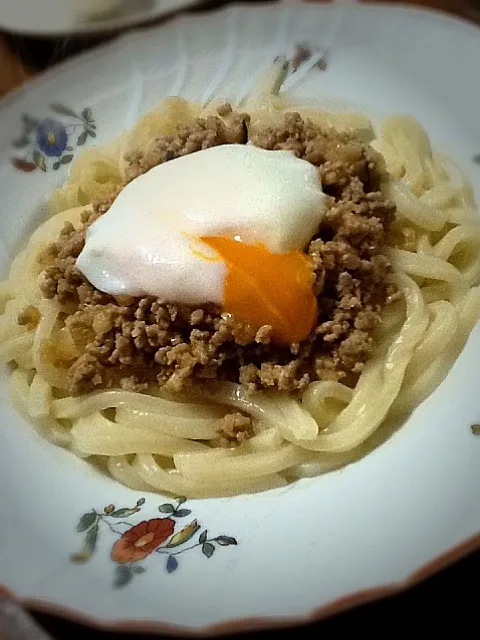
(303, 52)
(50, 143)
(136, 542)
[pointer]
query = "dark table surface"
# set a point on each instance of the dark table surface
(448, 600)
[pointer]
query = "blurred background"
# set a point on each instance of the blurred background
(36, 35)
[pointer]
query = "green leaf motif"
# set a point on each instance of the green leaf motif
(68, 148)
(56, 166)
(82, 138)
(91, 133)
(66, 159)
(166, 508)
(39, 160)
(86, 521)
(137, 569)
(122, 513)
(181, 513)
(91, 539)
(123, 575)
(225, 541)
(475, 429)
(63, 110)
(140, 502)
(208, 549)
(203, 537)
(87, 113)
(89, 547)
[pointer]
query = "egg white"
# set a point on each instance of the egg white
(147, 243)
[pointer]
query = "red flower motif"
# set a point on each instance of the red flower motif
(142, 540)
(23, 165)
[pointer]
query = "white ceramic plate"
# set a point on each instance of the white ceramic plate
(321, 544)
(58, 18)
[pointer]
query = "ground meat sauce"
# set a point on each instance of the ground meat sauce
(233, 429)
(135, 343)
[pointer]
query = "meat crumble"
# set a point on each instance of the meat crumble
(135, 343)
(234, 428)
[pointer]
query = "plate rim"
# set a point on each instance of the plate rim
(252, 623)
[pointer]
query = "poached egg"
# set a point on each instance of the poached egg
(157, 237)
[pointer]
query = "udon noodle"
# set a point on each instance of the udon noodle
(160, 443)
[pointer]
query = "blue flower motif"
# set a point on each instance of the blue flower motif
(51, 137)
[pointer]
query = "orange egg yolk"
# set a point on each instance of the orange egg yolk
(264, 288)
